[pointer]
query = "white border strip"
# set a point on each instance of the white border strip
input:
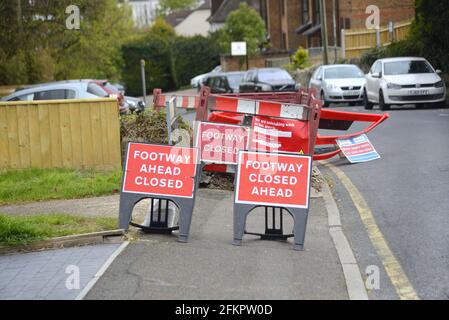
(354, 282)
(102, 270)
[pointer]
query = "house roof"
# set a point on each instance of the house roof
(222, 12)
(177, 17)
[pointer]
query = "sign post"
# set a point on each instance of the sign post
(276, 180)
(159, 172)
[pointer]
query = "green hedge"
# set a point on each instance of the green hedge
(170, 62)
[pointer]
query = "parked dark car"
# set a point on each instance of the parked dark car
(267, 79)
(225, 82)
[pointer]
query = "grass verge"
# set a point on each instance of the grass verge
(43, 184)
(15, 230)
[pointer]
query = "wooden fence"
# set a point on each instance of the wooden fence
(356, 41)
(60, 133)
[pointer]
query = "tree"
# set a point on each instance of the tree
(37, 46)
(430, 31)
(169, 6)
(243, 24)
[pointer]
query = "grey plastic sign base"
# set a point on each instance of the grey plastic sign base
(185, 205)
(299, 215)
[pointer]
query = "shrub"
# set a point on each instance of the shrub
(300, 58)
(149, 126)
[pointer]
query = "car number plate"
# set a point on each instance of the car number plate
(418, 92)
(352, 93)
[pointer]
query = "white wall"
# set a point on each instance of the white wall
(195, 24)
(144, 12)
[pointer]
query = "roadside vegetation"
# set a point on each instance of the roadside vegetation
(44, 184)
(17, 230)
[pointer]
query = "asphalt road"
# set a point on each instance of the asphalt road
(408, 192)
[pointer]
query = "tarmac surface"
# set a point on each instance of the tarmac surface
(407, 191)
(210, 267)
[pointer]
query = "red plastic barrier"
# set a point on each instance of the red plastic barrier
(328, 119)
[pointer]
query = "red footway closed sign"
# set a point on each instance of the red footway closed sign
(220, 143)
(160, 170)
(273, 179)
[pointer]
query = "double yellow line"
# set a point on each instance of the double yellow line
(391, 264)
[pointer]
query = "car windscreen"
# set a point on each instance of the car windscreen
(111, 87)
(343, 73)
(407, 67)
(234, 80)
(95, 89)
(273, 75)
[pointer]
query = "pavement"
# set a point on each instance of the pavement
(407, 192)
(159, 267)
(45, 275)
(210, 267)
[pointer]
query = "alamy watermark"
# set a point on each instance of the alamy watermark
(372, 281)
(73, 21)
(373, 20)
(73, 280)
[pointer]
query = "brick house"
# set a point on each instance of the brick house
(294, 23)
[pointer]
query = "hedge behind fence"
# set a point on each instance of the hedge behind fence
(169, 62)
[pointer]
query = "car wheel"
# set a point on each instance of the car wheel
(326, 104)
(366, 103)
(382, 105)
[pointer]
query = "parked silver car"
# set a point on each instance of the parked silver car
(70, 89)
(339, 83)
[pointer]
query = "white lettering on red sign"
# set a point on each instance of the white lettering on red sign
(274, 179)
(160, 170)
(220, 143)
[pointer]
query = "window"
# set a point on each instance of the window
(57, 94)
(234, 80)
(317, 73)
(305, 11)
(263, 12)
(317, 12)
(25, 97)
(284, 41)
(343, 73)
(407, 67)
(95, 89)
(273, 75)
(250, 76)
(376, 67)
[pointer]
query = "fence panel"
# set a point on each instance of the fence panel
(60, 134)
(357, 41)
